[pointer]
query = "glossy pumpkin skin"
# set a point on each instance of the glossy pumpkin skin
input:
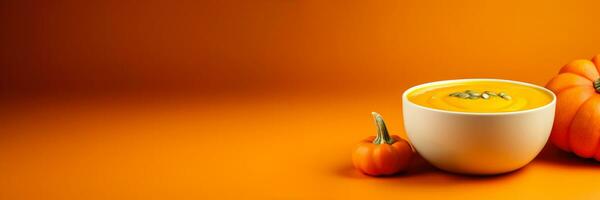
(577, 122)
(382, 155)
(382, 159)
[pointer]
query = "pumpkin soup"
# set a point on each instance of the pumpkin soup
(480, 97)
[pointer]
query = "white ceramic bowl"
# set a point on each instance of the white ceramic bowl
(456, 142)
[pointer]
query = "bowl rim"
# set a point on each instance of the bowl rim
(440, 82)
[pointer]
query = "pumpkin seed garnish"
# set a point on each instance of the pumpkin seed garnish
(464, 95)
(490, 93)
(477, 94)
(485, 96)
(504, 96)
(455, 94)
(472, 94)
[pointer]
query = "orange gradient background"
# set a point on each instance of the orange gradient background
(261, 99)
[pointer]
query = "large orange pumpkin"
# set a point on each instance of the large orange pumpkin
(577, 122)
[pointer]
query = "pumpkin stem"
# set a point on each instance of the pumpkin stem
(597, 85)
(382, 133)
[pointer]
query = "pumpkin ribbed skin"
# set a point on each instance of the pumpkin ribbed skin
(382, 159)
(382, 155)
(577, 121)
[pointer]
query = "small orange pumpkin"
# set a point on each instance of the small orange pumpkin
(577, 121)
(383, 154)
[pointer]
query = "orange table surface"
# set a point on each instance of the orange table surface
(272, 147)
